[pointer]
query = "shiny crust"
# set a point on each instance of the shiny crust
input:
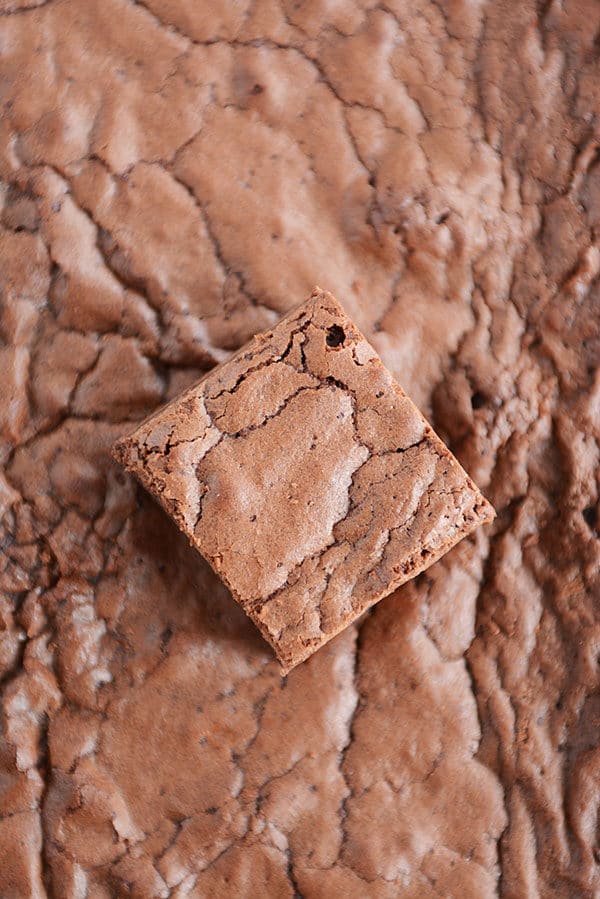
(170, 182)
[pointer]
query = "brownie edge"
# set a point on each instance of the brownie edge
(306, 477)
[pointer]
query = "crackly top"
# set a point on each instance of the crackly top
(305, 475)
(170, 180)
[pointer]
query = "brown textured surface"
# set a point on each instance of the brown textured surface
(169, 179)
(306, 478)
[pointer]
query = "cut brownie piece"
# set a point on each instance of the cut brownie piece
(306, 477)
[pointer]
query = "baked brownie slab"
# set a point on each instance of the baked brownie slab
(306, 477)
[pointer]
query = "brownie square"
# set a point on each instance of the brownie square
(306, 477)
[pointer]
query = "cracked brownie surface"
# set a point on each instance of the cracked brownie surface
(170, 181)
(306, 477)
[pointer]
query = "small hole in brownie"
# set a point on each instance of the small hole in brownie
(590, 516)
(335, 336)
(477, 400)
(257, 89)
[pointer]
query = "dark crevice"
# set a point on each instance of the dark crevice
(590, 516)
(478, 400)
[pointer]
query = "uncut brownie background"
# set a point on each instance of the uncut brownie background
(171, 181)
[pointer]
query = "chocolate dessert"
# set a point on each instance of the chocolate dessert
(306, 478)
(173, 181)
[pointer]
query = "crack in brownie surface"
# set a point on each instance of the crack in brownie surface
(306, 477)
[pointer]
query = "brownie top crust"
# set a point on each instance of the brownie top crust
(173, 176)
